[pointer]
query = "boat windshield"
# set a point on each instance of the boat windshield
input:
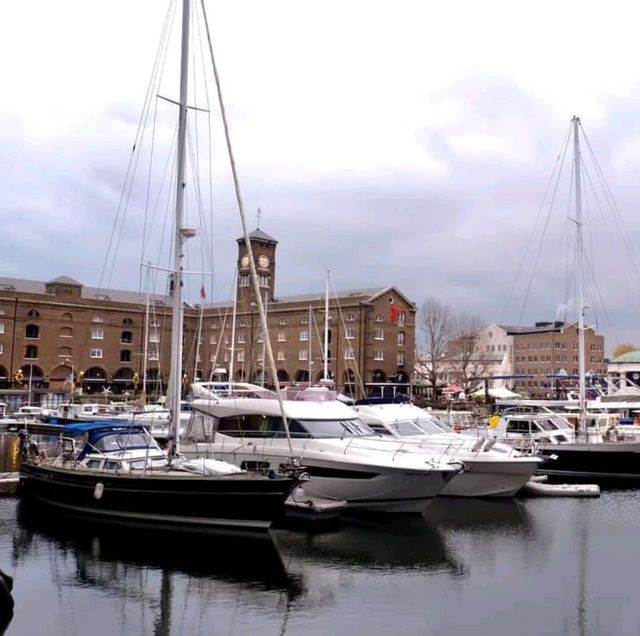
(335, 428)
(549, 425)
(402, 428)
(431, 425)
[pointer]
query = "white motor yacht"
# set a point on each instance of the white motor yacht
(343, 456)
(490, 469)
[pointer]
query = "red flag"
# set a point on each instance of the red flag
(395, 313)
(203, 292)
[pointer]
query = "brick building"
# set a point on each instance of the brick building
(545, 351)
(52, 330)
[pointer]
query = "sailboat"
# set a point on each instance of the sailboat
(115, 471)
(597, 455)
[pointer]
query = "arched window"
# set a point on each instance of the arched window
(66, 332)
(2, 312)
(32, 331)
(64, 352)
(33, 313)
(127, 322)
(98, 319)
(67, 316)
(379, 318)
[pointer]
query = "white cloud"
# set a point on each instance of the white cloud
(406, 143)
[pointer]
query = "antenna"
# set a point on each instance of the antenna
(258, 217)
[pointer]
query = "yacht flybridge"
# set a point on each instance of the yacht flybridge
(490, 469)
(244, 424)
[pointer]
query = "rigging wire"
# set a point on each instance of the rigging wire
(343, 325)
(559, 165)
(121, 210)
(245, 233)
(531, 234)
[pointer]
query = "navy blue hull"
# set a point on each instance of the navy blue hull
(236, 501)
(598, 462)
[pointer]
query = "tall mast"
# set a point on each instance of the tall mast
(325, 370)
(310, 352)
(580, 274)
(181, 234)
(233, 331)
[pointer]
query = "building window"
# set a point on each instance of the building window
(33, 313)
(282, 321)
(127, 322)
(2, 312)
(350, 334)
(281, 356)
(1, 348)
(400, 359)
(125, 355)
(31, 352)
(98, 319)
(378, 355)
(66, 332)
(242, 323)
(97, 334)
(402, 319)
(154, 337)
(1, 327)
(95, 353)
(64, 352)
(126, 337)
(348, 353)
(282, 336)
(243, 280)
(226, 356)
(32, 331)
(401, 338)
(304, 320)
(154, 323)
(242, 338)
(154, 356)
(304, 336)
(378, 334)
(379, 318)
(350, 317)
(303, 354)
(212, 339)
(240, 356)
(263, 280)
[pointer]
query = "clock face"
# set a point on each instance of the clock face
(263, 261)
(244, 261)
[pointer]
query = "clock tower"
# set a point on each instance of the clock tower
(264, 254)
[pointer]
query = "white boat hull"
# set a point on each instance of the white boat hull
(491, 478)
(364, 487)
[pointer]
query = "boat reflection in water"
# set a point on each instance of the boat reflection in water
(499, 515)
(171, 582)
(380, 543)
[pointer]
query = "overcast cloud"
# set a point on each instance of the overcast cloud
(406, 143)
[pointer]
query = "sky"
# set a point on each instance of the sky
(410, 143)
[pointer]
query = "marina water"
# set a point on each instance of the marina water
(526, 567)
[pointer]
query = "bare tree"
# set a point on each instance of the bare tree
(464, 357)
(623, 348)
(436, 327)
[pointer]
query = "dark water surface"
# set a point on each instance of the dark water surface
(547, 566)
